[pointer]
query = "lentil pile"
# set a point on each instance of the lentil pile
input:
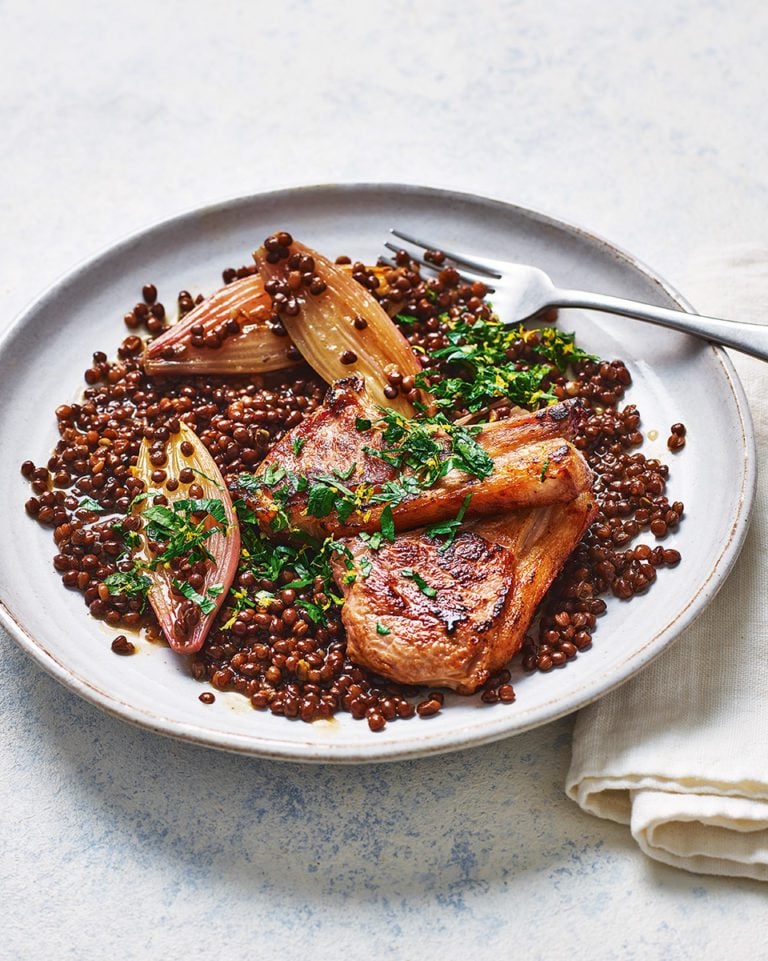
(275, 653)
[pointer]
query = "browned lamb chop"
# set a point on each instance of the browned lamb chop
(534, 464)
(418, 612)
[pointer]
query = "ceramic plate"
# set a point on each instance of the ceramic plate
(676, 378)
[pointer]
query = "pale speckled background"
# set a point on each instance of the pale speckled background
(644, 121)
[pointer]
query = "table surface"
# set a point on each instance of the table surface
(645, 122)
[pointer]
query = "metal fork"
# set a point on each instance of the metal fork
(520, 292)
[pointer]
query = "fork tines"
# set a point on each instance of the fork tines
(461, 263)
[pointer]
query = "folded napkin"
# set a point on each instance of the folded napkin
(680, 753)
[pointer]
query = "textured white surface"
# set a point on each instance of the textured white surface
(645, 122)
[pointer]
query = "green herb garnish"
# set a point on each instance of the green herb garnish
(429, 447)
(205, 603)
(387, 524)
(394, 492)
(345, 474)
(480, 351)
(310, 562)
(129, 583)
(372, 541)
(419, 581)
(271, 477)
(555, 345)
(131, 539)
(321, 499)
(313, 611)
(206, 477)
(180, 530)
(450, 528)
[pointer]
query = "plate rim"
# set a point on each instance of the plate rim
(426, 744)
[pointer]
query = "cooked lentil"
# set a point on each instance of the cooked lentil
(274, 653)
(121, 644)
(676, 439)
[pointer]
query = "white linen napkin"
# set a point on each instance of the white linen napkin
(680, 753)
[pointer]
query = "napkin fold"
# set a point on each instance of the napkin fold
(680, 753)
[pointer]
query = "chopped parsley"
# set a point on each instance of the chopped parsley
(273, 474)
(543, 473)
(394, 492)
(206, 603)
(307, 561)
(345, 474)
(450, 528)
(206, 477)
(130, 584)
(554, 345)
(321, 499)
(89, 504)
(381, 629)
(313, 611)
(427, 448)
(468, 455)
(326, 494)
(271, 477)
(480, 354)
(131, 539)
(372, 541)
(183, 528)
(419, 581)
(387, 524)
(310, 564)
(262, 600)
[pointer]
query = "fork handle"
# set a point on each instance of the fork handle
(747, 338)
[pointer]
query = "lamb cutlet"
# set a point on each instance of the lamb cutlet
(532, 464)
(429, 625)
(419, 609)
(420, 612)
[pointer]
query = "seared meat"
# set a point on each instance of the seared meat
(552, 471)
(559, 420)
(398, 631)
(327, 441)
(418, 611)
(458, 614)
(534, 465)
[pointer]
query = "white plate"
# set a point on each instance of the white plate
(676, 378)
